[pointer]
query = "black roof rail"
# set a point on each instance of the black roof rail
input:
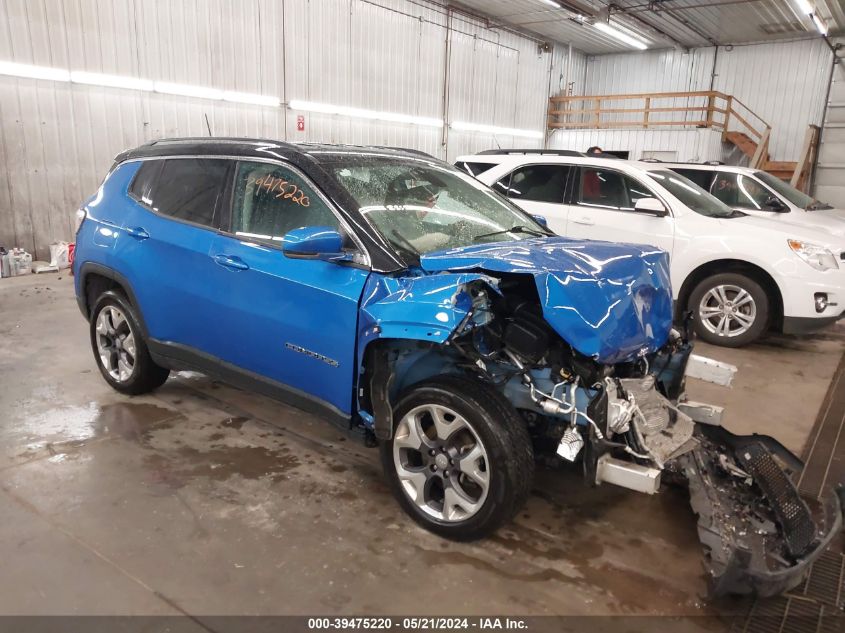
(712, 162)
(541, 152)
(650, 160)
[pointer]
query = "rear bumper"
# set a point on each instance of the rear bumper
(805, 325)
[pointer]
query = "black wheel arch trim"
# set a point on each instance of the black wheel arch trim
(89, 268)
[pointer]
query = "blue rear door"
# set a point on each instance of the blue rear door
(291, 320)
(170, 221)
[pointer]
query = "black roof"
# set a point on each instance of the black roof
(254, 148)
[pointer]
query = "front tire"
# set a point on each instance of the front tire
(729, 310)
(120, 349)
(460, 461)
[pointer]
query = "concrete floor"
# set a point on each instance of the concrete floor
(203, 499)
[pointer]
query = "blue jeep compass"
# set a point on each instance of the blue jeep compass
(419, 309)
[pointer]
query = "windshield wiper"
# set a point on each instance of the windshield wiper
(516, 229)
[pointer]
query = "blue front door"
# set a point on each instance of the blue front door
(293, 321)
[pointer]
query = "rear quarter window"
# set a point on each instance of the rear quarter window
(703, 178)
(144, 179)
(474, 169)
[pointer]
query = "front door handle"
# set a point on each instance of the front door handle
(138, 233)
(231, 261)
(585, 221)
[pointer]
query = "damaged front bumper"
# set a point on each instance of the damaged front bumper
(760, 535)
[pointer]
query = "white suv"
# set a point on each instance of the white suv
(738, 274)
(758, 193)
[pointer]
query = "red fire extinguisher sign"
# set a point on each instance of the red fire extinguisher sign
(300, 122)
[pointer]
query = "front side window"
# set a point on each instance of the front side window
(691, 195)
(599, 187)
(739, 190)
(420, 207)
(796, 197)
(538, 183)
(190, 189)
(270, 200)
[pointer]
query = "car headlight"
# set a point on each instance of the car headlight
(817, 256)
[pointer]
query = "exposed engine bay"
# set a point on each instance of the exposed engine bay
(629, 424)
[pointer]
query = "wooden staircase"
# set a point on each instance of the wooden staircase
(739, 125)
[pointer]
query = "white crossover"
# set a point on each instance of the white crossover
(739, 274)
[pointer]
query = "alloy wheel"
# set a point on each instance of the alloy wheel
(441, 463)
(727, 310)
(115, 343)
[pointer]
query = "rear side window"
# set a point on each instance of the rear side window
(539, 183)
(700, 177)
(144, 179)
(474, 169)
(190, 189)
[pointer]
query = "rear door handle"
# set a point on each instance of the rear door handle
(231, 261)
(585, 221)
(138, 233)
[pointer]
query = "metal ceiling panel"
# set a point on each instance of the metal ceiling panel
(666, 23)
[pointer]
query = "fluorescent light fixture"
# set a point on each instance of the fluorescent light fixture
(254, 99)
(110, 81)
(821, 26)
(358, 113)
(805, 6)
(185, 90)
(34, 72)
(494, 129)
(605, 28)
(551, 3)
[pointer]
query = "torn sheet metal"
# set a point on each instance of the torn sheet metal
(425, 308)
(610, 301)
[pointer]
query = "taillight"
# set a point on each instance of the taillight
(80, 218)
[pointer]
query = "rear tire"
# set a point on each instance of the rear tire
(119, 347)
(460, 461)
(729, 309)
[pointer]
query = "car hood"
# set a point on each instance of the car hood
(829, 221)
(828, 232)
(612, 302)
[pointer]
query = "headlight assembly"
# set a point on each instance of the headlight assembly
(817, 256)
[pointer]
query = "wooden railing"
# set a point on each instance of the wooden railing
(701, 109)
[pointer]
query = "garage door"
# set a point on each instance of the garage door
(830, 171)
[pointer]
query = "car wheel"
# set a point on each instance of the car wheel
(460, 461)
(120, 349)
(729, 309)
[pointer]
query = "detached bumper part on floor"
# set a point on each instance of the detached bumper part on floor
(759, 537)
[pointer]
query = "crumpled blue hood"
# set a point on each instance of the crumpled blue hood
(610, 301)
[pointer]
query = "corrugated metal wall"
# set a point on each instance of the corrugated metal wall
(680, 145)
(58, 139)
(784, 83)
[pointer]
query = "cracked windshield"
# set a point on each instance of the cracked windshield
(420, 208)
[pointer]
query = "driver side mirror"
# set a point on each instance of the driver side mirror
(652, 206)
(774, 204)
(314, 242)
